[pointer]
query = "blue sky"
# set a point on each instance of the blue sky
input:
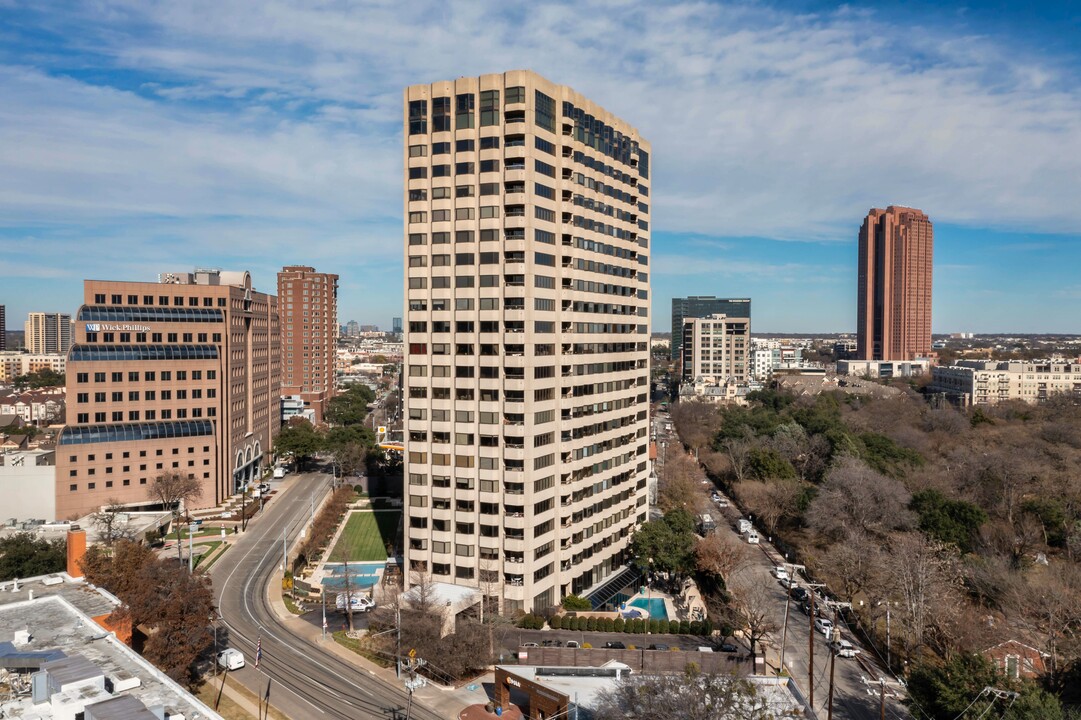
(140, 136)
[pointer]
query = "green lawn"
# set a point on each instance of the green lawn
(366, 535)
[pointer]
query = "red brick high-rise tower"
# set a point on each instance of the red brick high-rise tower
(895, 268)
(308, 303)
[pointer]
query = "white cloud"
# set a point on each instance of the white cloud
(762, 123)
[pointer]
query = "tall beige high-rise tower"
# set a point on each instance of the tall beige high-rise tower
(48, 333)
(896, 252)
(526, 373)
(308, 305)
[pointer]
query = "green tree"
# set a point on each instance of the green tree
(951, 521)
(573, 602)
(944, 692)
(668, 542)
(886, 456)
(766, 464)
(300, 439)
(39, 379)
(25, 554)
(351, 406)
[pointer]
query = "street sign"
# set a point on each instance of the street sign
(412, 653)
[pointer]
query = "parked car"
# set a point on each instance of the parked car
(573, 644)
(705, 648)
(824, 626)
(551, 643)
(721, 502)
(788, 583)
(728, 647)
(357, 601)
(798, 593)
(279, 472)
(615, 645)
(658, 646)
(264, 487)
(529, 644)
(844, 649)
(231, 659)
(751, 536)
(779, 572)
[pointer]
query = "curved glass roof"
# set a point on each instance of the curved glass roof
(98, 313)
(84, 434)
(117, 353)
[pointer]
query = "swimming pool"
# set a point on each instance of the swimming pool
(654, 606)
(361, 575)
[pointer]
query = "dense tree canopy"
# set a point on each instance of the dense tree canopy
(668, 542)
(351, 406)
(39, 379)
(25, 554)
(158, 595)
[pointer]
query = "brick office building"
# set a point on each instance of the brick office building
(308, 304)
(181, 375)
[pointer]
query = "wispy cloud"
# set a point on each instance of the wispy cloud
(249, 129)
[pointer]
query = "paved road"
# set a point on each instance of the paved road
(856, 687)
(306, 680)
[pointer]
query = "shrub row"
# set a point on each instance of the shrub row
(326, 522)
(637, 625)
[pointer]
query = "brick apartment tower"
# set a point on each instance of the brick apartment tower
(527, 330)
(181, 375)
(308, 305)
(896, 252)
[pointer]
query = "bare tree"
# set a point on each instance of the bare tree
(112, 523)
(696, 422)
(738, 451)
(1050, 601)
(721, 554)
(175, 491)
(753, 608)
(691, 695)
(855, 497)
(856, 562)
(924, 574)
(679, 485)
(771, 500)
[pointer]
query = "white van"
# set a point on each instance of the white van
(279, 472)
(231, 659)
(743, 525)
(751, 536)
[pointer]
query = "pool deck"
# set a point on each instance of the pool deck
(689, 605)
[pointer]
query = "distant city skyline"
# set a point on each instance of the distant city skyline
(142, 136)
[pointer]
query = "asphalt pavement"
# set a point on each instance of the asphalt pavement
(305, 677)
(857, 691)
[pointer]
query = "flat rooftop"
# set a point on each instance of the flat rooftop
(86, 598)
(56, 624)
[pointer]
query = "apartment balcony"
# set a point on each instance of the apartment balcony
(514, 315)
(514, 544)
(442, 514)
(514, 522)
(513, 589)
(514, 565)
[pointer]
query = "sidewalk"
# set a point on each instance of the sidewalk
(447, 702)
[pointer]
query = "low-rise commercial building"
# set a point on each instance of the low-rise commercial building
(64, 666)
(883, 368)
(989, 382)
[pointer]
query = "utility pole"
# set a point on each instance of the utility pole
(191, 548)
(811, 643)
(285, 553)
(833, 660)
(882, 698)
(791, 567)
